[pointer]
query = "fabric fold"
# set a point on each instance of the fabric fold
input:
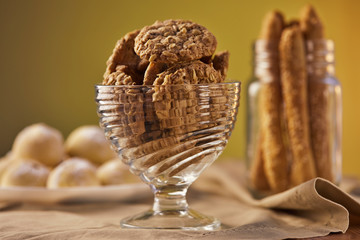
(316, 202)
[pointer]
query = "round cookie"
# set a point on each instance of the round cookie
(123, 76)
(89, 142)
(5, 162)
(152, 71)
(173, 41)
(123, 54)
(25, 172)
(73, 172)
(41, 143)
(221, 62)
(115, 172)
(195, 72)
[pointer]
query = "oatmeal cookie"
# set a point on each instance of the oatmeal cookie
(195, 72)
(142, 66)
(123, 54)
(152, 71)
(221, 63)
(176, 106)
(124, 112)
(123, 75)
(173, 41)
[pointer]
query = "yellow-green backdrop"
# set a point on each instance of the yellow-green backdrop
(52, 52)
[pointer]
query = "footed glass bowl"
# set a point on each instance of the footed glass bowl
(168, 135)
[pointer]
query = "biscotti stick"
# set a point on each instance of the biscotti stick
(310, 24)
(294, 89)
(272, 26)
(312, 30)
(273, 150)
(257, 172)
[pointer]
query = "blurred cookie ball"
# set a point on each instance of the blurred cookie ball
(41, 143)
(5, 162)
(73, 172)
(25, 172)
(115, 172)
(89, 142)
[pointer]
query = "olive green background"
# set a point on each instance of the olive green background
(52, 53)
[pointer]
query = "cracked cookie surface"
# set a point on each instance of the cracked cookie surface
(195, 72)
(173, 41)
(123, 75)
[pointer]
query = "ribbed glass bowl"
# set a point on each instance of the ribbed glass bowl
(168, 135)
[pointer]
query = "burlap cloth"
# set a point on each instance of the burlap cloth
(315, 208)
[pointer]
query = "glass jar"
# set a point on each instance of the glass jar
(270, 151)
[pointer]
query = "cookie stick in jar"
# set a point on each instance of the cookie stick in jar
(272, 145)
(257, 173)
(294, 89)
(312, 29)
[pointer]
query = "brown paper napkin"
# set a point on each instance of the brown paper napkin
(315, 208)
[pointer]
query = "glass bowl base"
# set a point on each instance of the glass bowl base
(181, 220)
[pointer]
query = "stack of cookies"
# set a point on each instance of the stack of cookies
(167, 52)
(168, 58)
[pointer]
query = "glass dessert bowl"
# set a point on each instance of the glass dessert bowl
(168, 134)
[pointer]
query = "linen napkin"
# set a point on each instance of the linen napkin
(315, 208)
